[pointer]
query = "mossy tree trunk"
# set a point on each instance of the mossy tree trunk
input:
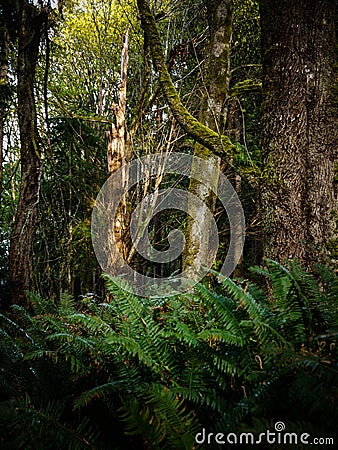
(218, 143)
(208, 132)
(213, 114)
(4, 89)
(31, 24)
(299, 134)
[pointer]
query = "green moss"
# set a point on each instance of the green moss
(218, 144)
(244, 87)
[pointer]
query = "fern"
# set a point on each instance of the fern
(29, 427)
(161, 417)
(156, 371)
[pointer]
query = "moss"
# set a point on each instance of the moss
(244, 87)
(218, 144)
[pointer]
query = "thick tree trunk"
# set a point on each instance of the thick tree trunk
(4, 89)
(31, 23)
(216, 78)
(299, 135)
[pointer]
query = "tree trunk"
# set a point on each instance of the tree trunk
(31, 22)
(4, 89)
(299, 127)
(216, 78)
(117, 157)
(219, 144)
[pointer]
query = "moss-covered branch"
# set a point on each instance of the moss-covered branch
(220, 145)
(245, 87)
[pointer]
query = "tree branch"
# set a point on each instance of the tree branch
(220, 145)
(245, 87)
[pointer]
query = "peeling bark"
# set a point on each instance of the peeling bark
(116, 150)
(117, 157)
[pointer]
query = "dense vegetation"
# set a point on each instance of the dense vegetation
(248, 86)
(138, 373)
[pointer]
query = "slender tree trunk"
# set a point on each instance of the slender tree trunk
(216, 78)
(31, 22)
(299, 135)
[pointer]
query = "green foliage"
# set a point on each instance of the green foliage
(86, 47)
(150, 373)
(73, 174)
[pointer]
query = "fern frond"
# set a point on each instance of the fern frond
(97, 392)
(162, 418)
(26, 426)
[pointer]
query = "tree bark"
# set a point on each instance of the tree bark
(4, 89)
(117, 157)
(214, 109)
(299, 128)
(31, 22)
